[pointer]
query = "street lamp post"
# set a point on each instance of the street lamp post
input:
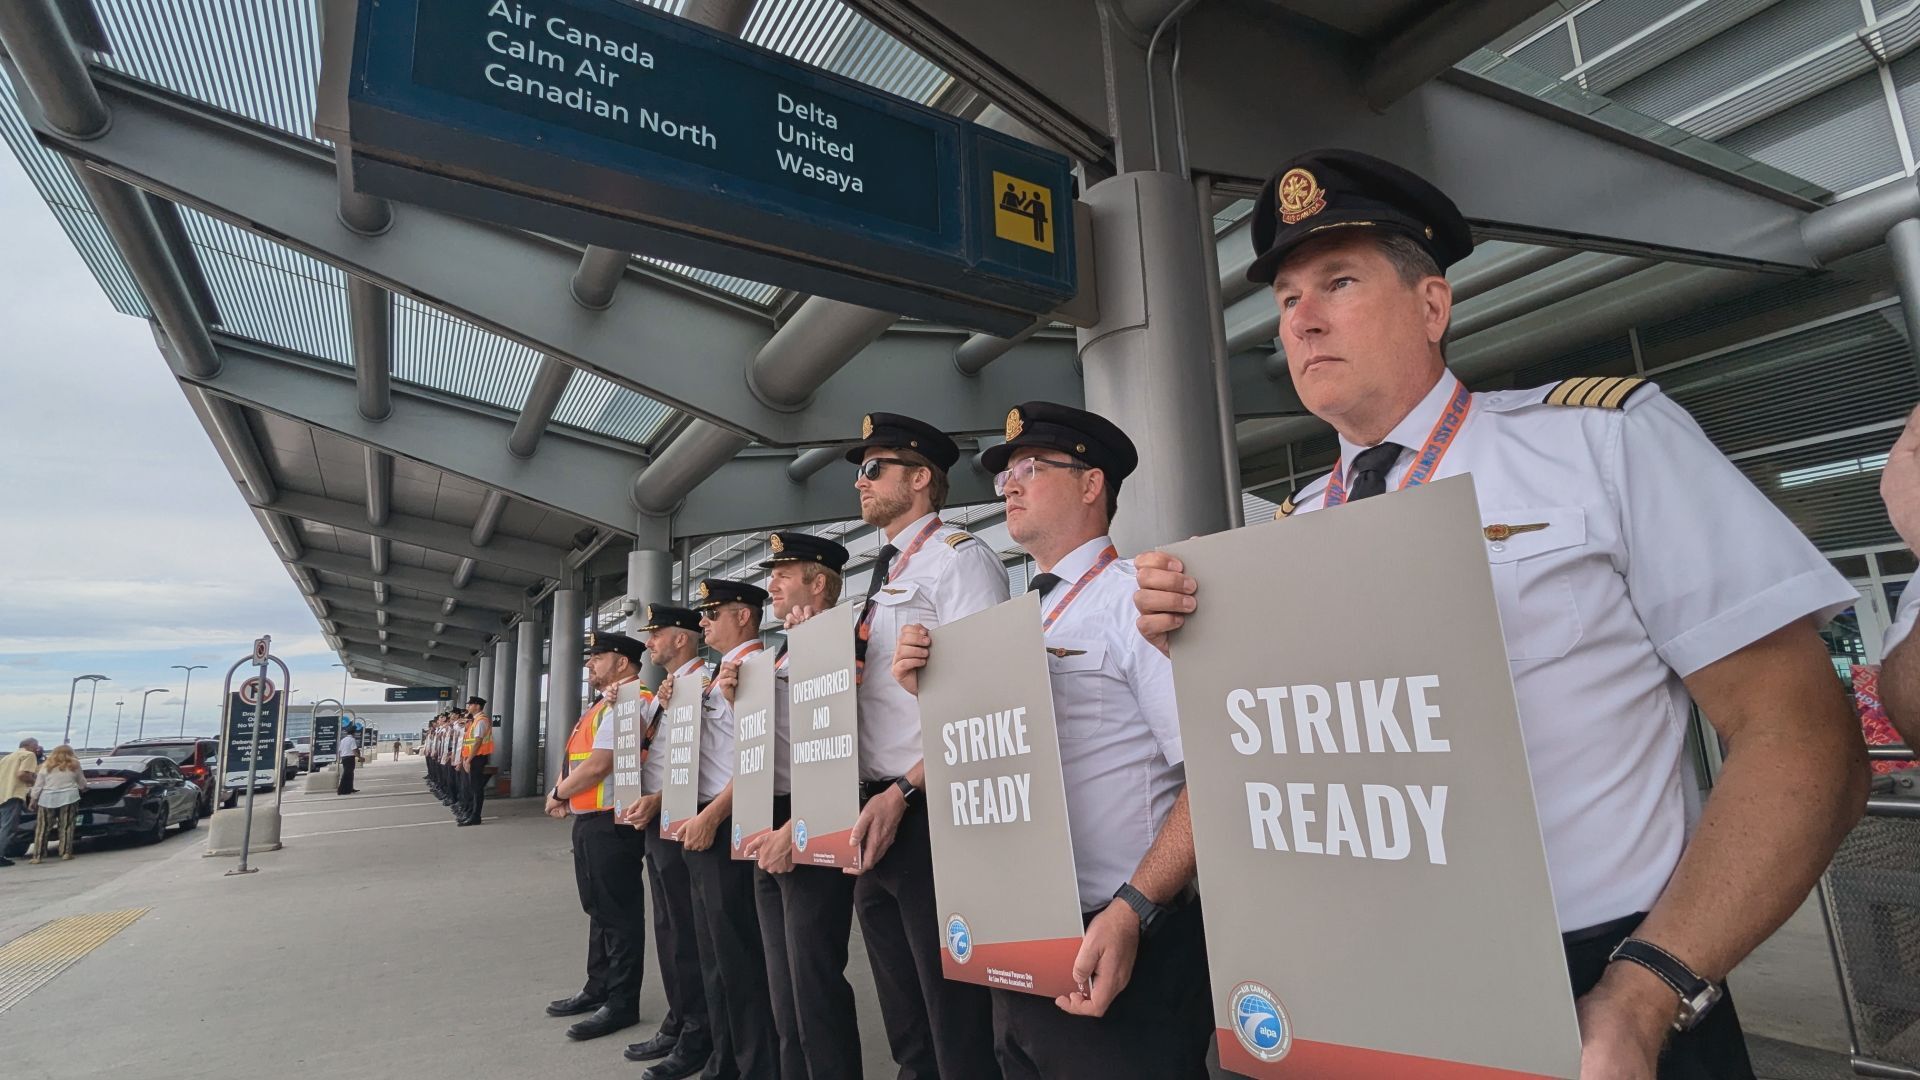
(143, 709)
(343, 683)
(121, 706)
(73, 689)
(91, 694)
(187, 693)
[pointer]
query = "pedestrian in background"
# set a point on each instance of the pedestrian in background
(56, 793)
(349, 751)
(16, 782)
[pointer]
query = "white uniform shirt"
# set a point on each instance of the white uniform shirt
(347, 745)
(1658, 558)
(953, 575)
(716, 730)
(1903, 619)
(1119, 729)
(782, 728)
(653, 771)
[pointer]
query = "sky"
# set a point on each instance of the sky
(125, 546)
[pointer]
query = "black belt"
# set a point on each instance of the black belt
(1618, 928)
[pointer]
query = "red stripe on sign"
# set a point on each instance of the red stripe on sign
(739, 849)
(1331, 1061)
(1042, 967)
(832, 849)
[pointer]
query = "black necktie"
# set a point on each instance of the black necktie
(1370, 471)
(882, 569)
(1043, 582)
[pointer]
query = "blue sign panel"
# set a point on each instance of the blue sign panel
(618, 125)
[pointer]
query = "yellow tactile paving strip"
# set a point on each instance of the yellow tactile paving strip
(31, 960)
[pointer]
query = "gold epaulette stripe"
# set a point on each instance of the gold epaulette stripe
(1286, 508)
(958, 538)
(1596, 391)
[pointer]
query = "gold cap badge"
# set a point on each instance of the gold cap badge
(591, 638)
(1299, 196)
(703, 590)
(647, 616)
(776, 543)
(1015, 425)
(866, 427)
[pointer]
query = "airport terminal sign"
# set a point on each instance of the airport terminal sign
(419, 693)
(997, 804)
(1357, 776)
(326, 740)
(244, 714)
(614, 123)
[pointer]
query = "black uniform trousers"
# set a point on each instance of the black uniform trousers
(473, 790)
(733, 963)
(1160, 1026)
(806, 917)
(1716, 1049)
(935, 1027)
(675, 940)
(346, 775)
(607, 868)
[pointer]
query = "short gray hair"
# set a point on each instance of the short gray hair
(1411, 261)
(29, 741)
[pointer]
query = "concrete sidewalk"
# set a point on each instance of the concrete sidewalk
(334, 961)
(383, 942)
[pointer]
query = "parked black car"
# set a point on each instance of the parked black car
(132, 795)
(198, 759)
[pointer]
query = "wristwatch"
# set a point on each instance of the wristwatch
(906, 789)
(1151, 914)
(1697, 995)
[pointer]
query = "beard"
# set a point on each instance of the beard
(882, 509)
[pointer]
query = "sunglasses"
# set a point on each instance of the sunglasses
(871, 468)
(1024, 469)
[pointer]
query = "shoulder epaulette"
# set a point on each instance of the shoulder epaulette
(956, 539)
(1286, 507)
(1596, 391)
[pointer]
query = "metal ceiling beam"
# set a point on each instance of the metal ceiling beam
(370, 315)
(479, 593)
(574, 476)
(487, 522)
(379, 556)
(476, 622)
(1583, 179)
(379, 485)
(385, 620)
(1443, 37)
(809, 462)
(350, 628)
(36, 40)
(412, 656)
(661, 339)
(753, 491)
(550, 384)
(379, 669)
(525, 556)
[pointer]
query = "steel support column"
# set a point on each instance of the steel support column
(563, 676)
(1148, 362)
(500, 703)
(483, 684)
(649, 581)
(1903, 245)
(370, 310)
(35, 36)
(526, 706)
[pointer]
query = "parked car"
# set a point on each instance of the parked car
(127, 795)
(197, 758)
(303, 752)
(289, 761)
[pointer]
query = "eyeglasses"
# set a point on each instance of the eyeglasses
(870, 468)
(1023, 470)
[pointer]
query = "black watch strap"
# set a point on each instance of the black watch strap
(1697, 995)
(1151, 914)
(906, 788)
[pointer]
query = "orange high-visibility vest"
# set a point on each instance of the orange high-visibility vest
(474, 745)
(579, 749)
